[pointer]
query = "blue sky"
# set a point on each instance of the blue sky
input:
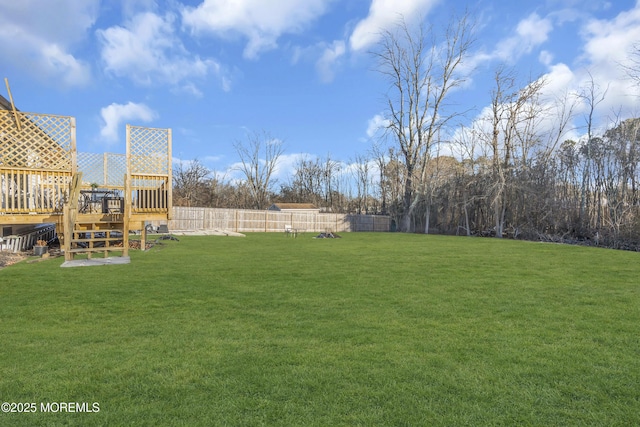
(301, 70)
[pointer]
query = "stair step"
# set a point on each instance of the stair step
(92, 235)
(97, 239)
(111, 230)
(99, 224)
(120, 223)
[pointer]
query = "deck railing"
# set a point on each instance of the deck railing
(150, 193)
(33, 191)
(38, 159)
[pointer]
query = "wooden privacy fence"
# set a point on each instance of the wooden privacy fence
(241, 220)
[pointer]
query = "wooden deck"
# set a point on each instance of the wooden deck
(43, 179)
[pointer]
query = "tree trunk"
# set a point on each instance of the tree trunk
(427, 218)
(498, 216)
(466, 215)
(407, 203)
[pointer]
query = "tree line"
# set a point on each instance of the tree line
(512, 172)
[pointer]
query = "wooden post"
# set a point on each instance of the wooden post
(91, 235)
(170, 177)
(127, 212)
(70, 212)
(66, 234)
(13, 106)
(143, 237)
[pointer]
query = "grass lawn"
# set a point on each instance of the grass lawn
(367, 330)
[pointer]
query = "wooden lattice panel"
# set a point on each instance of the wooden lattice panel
(106, 170)
(92, 167)
(36, 141)
(149, 150)
(116, 168)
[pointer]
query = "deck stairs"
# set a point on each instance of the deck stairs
(93, 236)
(92, 233)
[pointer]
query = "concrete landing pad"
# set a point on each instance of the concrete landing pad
(97, 261)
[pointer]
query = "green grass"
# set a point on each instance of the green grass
(367, 330)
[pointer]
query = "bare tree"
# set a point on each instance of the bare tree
(386, 162)
(632, 68)
(421, 68)
(259, 157)
(592, 95)
(361, 172)
(330, 170)
(305, 186)
(510, 135)
(189, 182)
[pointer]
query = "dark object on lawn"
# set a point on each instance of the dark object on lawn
(327, 235)
(164, 230)
(168, 237)
(161, 229)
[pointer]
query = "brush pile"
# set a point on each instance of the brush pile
(327, 235)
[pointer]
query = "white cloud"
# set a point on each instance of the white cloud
(382, 15)
(39, 38)
(132, 7)
(261, 22)
(287, 165)
(58, 63)
(328, 61)
(115, 115)
(530, 33)
(376, 124)
(605, 53)
(607, 48)
(147, 50)
(211, 159)
(559, 79)
(190, 89)
(546, 57)
(611, 41)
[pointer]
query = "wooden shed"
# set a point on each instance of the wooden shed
(294, 207)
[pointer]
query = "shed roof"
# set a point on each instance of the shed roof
(293, 206)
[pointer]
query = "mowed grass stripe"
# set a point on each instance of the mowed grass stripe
(369, 329)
